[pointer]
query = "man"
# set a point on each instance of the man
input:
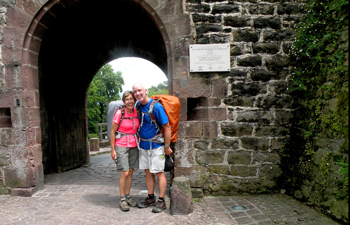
(151, 157)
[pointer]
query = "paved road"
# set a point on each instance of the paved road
(88, 195)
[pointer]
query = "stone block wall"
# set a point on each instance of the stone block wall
(20, 134)
(234, 123)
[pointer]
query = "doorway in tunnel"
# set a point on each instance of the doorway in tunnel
(79, 40)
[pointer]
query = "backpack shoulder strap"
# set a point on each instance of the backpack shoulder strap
(150, 110)
(150, 113)
(122, 117)
(137, 107)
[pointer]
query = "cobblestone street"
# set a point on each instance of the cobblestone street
(88, 195)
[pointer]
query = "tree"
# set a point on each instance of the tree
(109, 85)
(104, 88)
(161, 88)
(93, 110)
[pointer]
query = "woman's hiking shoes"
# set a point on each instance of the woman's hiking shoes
(131, 202)
(123, 205)
(160, 206)
(147, 202)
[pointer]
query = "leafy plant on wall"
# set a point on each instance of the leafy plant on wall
(319, 85)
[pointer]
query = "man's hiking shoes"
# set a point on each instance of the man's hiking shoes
(123, 205)
(147, 202)
(160, 206)
(131, 202)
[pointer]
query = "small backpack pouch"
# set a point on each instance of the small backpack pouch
(118, 135)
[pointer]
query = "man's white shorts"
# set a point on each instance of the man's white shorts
(152, 159)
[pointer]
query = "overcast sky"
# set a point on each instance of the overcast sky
(138, 70)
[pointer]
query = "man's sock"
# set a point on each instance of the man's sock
(151, 196)
(127, 195)
(161, 199)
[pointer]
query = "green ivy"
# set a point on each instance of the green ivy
(319, 85)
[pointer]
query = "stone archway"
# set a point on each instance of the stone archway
(73, 49)
(64, 45)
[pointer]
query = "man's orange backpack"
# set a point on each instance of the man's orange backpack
(172, 107)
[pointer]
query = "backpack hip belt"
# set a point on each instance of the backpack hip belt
(156, 139)
(121, 134)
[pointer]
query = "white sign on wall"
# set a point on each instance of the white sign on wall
(210, 58)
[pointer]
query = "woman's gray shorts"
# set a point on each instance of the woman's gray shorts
(153, 159)
(128, 158)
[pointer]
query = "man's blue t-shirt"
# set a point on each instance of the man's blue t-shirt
(148, 129)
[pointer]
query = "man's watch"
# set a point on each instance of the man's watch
(166, 146)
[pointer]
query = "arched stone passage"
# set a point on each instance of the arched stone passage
(50, 51)
(78, 41)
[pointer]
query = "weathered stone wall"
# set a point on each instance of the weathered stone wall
(325, 181)
(233, 124)
(20, 138)
(5, 157)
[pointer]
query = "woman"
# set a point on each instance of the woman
(124, 147)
